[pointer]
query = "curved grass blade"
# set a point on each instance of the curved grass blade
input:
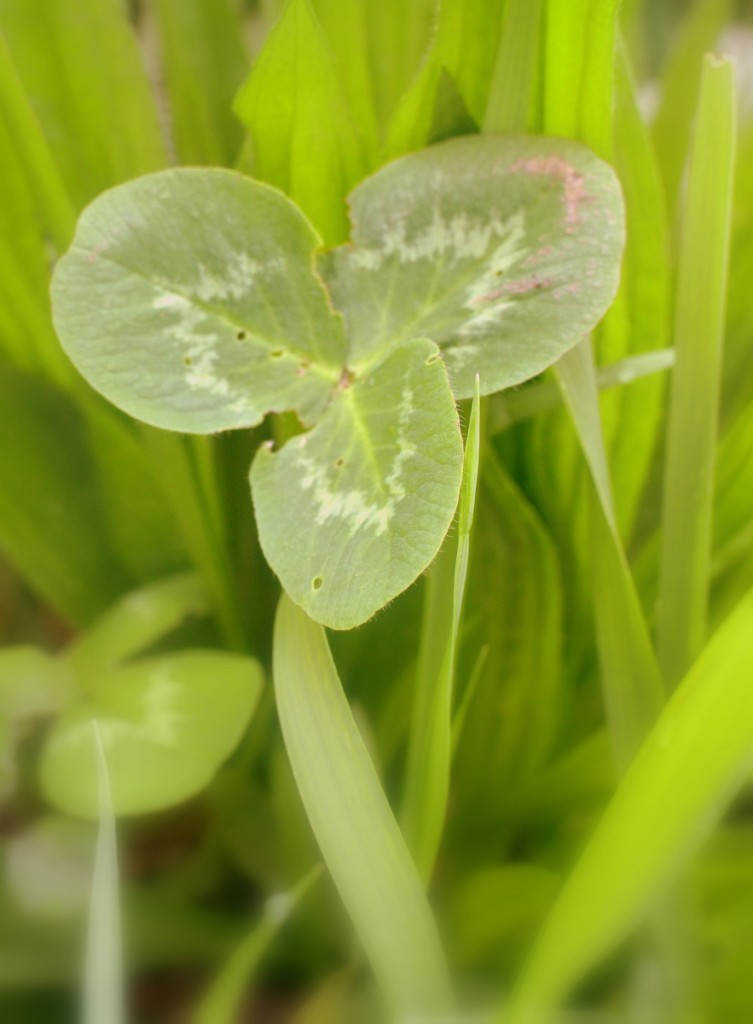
(353, 823)
(676, 789)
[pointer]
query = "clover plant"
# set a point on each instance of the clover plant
(199, 300)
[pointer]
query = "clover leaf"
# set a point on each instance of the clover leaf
(198, 300)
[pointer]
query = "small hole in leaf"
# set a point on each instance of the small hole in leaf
(432, 358)
(240, 336)
(339, 463)
(277, 353)
(316, 583)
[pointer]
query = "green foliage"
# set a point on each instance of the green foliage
(352, 820)
(394, 208)
(219, 267)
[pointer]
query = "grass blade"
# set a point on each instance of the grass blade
(353, 823)
(515, 81)
(430, 745)
(221, 1003)
(31, 150)
(89, 89)
(103, 980)
(515, 592)
(578, 70)
(630, 674)
(681, 82)
(694, 394)
(204, 63)
(676, 789)
(304, 138)
(639, 320)
(543, 395)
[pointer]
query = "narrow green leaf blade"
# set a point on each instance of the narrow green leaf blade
(188, 300)
(303, 134)
(633, 691)
(52, 500)
(89, 89)
(376, 484)
(515, 592)
(639, 319)
(31, 150)
(502, 250)
(681, 80)
(579, 48)
(515, 80)
(694, 393)
(353, 823)
(104, 996)
(347, 29)
(221, 1002)
(430, 745)
(204, 63)
(677, 787)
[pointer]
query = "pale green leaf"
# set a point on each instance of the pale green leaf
(378, 480)
(188, 299)
(137, 620)
(167, 724)
(676, 789)
(353, 823)
(502, 250)
(304, 138)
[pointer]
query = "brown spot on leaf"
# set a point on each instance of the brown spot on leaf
(572, 182)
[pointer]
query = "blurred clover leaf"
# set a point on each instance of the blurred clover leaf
(167, 721)
(199, 300)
